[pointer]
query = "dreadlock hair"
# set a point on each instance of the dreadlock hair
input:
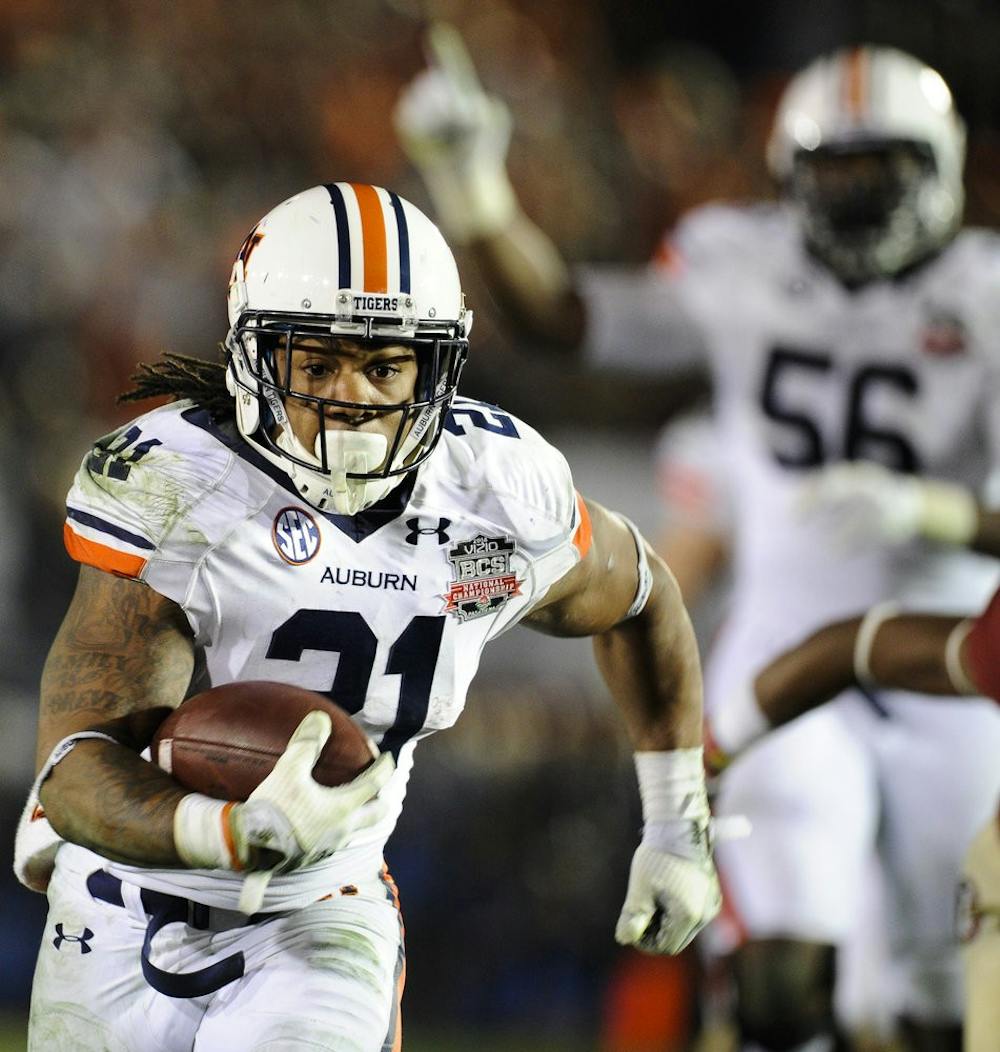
(178, 376)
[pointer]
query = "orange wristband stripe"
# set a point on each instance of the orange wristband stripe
(227, 836)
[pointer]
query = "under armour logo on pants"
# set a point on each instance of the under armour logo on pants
(83, 939)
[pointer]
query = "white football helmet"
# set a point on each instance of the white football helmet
(903, 197)
(359, 262)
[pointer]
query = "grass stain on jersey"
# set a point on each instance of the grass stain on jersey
(155, 494)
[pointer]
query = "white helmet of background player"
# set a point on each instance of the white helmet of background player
(899, 198)
(359, 262)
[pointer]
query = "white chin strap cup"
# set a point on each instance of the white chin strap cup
(347, 452)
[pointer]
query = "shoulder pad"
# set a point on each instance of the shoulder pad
(135, 485)
(727, 231)
(523, 479)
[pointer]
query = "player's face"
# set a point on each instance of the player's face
(347, 371)
(857, 190)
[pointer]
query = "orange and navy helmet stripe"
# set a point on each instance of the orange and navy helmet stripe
(373, 243)
(856, 82)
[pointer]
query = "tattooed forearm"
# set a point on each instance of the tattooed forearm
(122, 659)
(107, 798)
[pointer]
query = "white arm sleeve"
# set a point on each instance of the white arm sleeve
(637, 321)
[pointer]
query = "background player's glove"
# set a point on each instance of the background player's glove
(868, 503)
(673, 891)
(457, 137)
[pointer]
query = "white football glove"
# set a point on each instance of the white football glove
(673, 890)
(669, 899)
(290, 820)
(866, 503)
(457, 137)
(292, 816)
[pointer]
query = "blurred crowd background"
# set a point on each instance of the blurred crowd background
(140, 140)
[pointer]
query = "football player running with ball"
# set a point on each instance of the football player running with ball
(851, 321)
(323, 511)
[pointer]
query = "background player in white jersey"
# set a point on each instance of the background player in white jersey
(851, 321)
(316, 512)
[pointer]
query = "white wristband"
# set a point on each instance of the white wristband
(203, 835)
(672, 784)
(477, 202)
(948, 513)
(865, 640)
(953, 658)
(674, 801)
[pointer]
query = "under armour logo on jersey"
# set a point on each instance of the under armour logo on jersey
(417, 531)
(82, 940)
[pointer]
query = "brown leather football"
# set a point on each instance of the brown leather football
(225, 741)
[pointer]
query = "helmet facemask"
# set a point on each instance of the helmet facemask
(349, 466)
(868, 144)
(866, 206)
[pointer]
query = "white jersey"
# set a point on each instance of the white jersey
(386, 612)
(807, 372)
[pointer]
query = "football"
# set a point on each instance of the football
(225, 741)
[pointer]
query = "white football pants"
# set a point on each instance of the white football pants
(328, 976)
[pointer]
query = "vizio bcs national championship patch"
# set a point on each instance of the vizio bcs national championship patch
(484, 582)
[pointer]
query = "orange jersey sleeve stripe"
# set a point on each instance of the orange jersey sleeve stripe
(584, 534)
(373, 237)
(101, 556)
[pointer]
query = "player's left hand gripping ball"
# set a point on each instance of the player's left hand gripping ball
(669, 899)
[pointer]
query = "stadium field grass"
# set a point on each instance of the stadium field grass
(13, 1031)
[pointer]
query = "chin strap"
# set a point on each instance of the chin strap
(355, 452)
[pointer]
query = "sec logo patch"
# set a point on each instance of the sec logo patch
(295, 535)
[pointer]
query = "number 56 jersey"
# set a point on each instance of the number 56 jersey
(386, 611)
(808, 373)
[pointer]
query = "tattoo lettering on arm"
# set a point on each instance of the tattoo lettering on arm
(121, 647)
(121, 660)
